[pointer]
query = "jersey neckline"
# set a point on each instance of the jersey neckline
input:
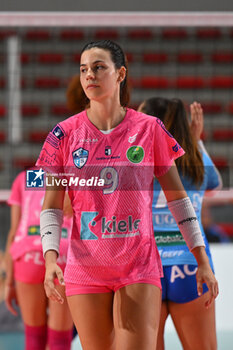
(115, 130)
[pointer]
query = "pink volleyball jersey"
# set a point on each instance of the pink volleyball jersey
(27, 237)
(112, 239)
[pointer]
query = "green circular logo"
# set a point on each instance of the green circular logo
(135, 154)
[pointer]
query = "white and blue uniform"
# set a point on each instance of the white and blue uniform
(179, 264)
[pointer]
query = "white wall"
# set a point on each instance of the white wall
(223, 262)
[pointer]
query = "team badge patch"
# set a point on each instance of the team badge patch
(135, 154)
(58, 132)
(80, 157)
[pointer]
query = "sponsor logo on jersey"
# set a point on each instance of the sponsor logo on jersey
(112, 228)
(107, 158)
(135, 154)
(64, 232)
(170, 254)
(88, 140)
(176, 147)
(164, 219)
(80, 157)
(108, 154)
(35, 178)
(169, 238)
(108, 150)
(34, 230)
(131, 139)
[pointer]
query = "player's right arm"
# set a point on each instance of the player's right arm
(53, 201)
(52, 158)
(10, 293)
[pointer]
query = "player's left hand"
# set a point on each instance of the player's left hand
(205, 275)
(53, 271)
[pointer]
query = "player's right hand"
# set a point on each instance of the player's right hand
(10, 296)
(53, 271)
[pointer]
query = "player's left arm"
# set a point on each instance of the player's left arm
(185, 216)
(172, 185)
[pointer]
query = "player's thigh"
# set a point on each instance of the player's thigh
(195, 324)
(29, 272)
(32, 302)
(93, 318)
(136, 316)
(59, 314)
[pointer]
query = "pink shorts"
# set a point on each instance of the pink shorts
(30, 268)
(75, 289)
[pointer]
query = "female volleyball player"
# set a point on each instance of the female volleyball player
(113, 269)
(194, 323)
(45, 322)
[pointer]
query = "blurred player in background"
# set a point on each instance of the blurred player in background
(194, 323)
(75, 100)
(46, 322)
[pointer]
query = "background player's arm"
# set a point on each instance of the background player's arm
(173, 190)
(10, 293)
(197, 120)
(197, 126)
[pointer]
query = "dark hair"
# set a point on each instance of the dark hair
(75, 96)
(173, 114)
(119, 59)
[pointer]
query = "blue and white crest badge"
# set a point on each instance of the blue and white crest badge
(80, 157)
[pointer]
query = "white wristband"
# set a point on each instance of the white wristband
(186, 219)
(50, 229)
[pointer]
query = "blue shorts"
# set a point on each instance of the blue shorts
(179, 283)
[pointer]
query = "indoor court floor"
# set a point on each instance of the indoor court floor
(13, 341)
